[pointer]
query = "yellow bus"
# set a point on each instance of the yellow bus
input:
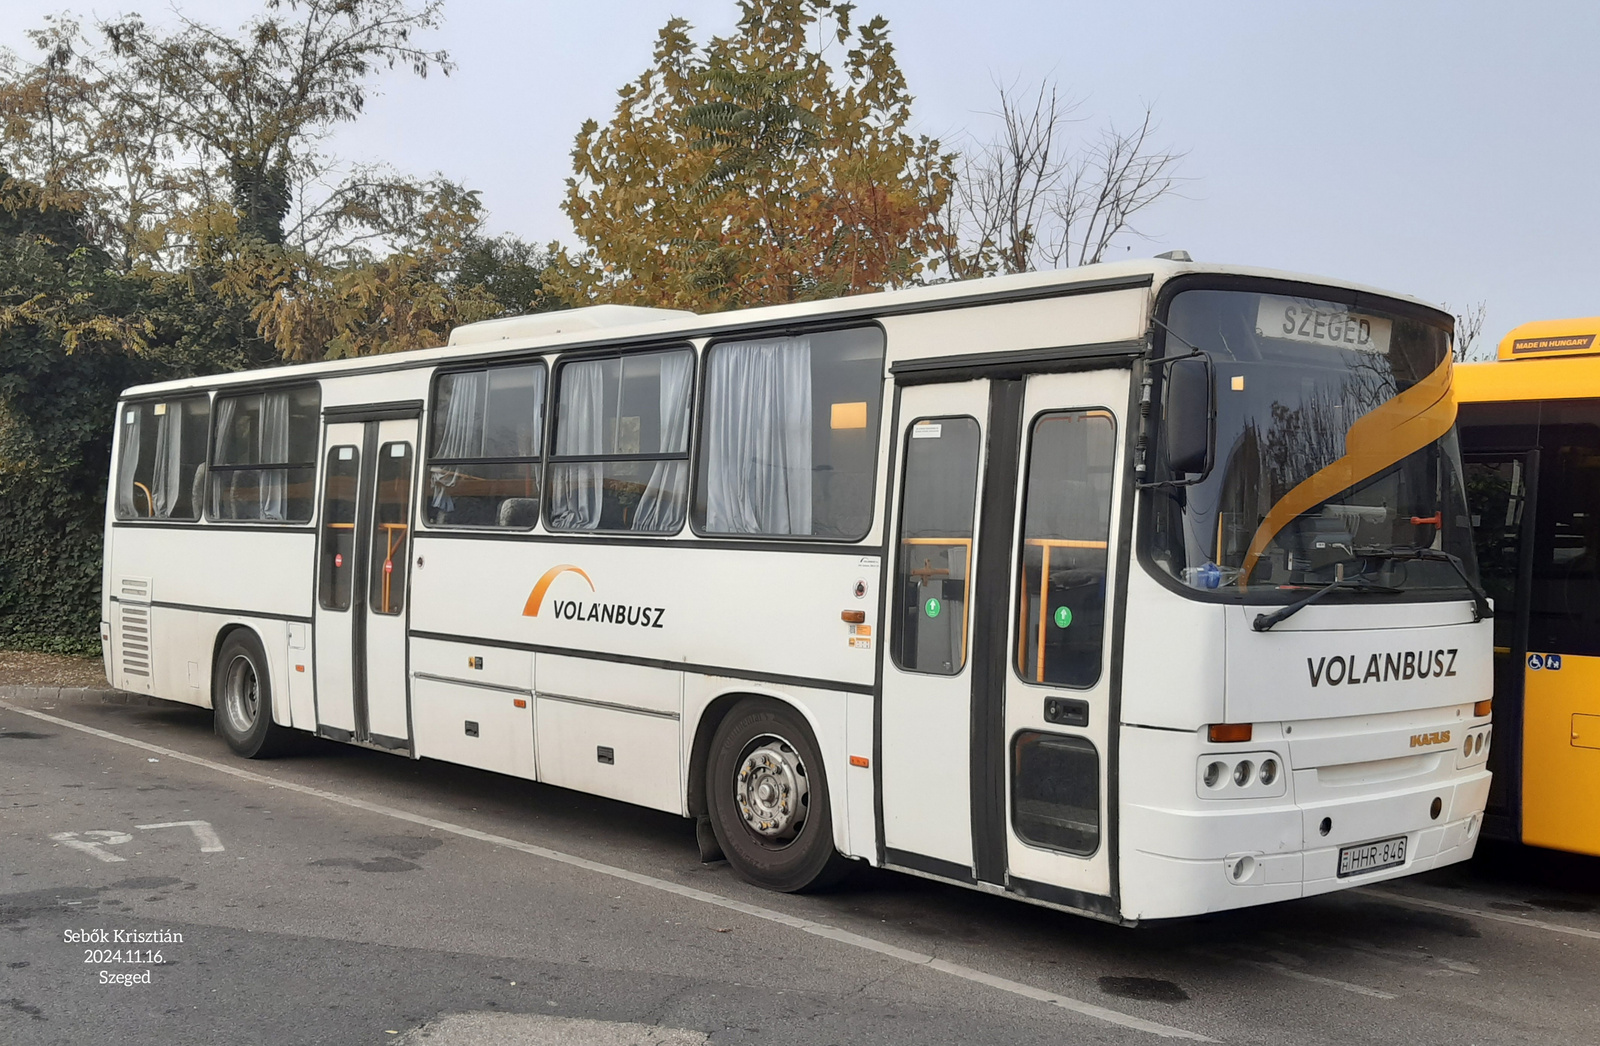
(1530, 439)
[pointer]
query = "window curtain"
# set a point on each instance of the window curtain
(224, 483)
(575, 488)
(168, 479)
(127, 504)
(661, 504)
(274, 451)
(463, 433)
(758, 437)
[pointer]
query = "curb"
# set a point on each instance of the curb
(94, 695)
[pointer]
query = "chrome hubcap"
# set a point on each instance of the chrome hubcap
(772, 791)
(242, 695)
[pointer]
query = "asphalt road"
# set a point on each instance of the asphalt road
(343, 896)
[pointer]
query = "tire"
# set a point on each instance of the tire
(768, 797)
(241, 698)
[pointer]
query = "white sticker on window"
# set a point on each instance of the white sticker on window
(926, 430)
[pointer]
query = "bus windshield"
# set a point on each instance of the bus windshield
(1335, 447)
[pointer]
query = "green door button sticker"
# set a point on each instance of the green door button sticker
(1063, 617)
(932, 608)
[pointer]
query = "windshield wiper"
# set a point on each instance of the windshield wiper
(1402, 553)
(1359, 583)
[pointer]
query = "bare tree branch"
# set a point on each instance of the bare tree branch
(1469, 328)
(1026, 199)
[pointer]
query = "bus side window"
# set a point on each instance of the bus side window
(338, 527)
(1061, 593)
(161, 471)
(934, 571)
(483, 453)
(264, 457)
(789, 435)
(391, 533)
(621, 454)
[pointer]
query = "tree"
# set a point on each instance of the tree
(1469, 328)
(315, 308)
(154, 136)
(74, 332)
(1027, 199)
(755, 171)
(255, 105)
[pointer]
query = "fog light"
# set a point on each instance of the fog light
(1213, 775)
(1269, 771)
(1242, 772)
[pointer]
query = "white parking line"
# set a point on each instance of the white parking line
(1475, 913)
(1300, 975)
(832, 933)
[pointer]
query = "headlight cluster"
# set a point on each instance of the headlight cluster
(1252, 775)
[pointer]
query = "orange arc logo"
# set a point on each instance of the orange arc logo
(536, 597)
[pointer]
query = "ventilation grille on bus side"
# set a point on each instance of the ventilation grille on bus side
(133, 635)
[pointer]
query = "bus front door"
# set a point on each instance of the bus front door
(996, 705)
(363, 555)
(927, 686)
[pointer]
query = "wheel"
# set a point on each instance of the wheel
(241, 698)
(769, 799)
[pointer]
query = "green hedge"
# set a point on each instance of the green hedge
(62, 364)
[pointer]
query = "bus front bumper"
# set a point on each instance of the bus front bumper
(1178, 862)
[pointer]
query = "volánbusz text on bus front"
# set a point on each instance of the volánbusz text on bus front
(1127, 590)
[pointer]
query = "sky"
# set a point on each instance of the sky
(1442, 150)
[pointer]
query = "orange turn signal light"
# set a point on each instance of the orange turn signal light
(1229, 733)
(860, 760)
(854, 617)
(1482, 708)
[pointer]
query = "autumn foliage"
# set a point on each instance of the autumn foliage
(757, 169)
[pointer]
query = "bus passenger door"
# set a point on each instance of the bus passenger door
(1503, 488)
(927, 678)
(1047, 721)
(363, 556)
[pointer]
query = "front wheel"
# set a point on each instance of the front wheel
(769, 799)
(241, 698)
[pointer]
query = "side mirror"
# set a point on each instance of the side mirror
(1188, 415)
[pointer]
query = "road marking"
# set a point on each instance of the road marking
(1300, 975)
(1474, 913)
(107, 838)
(204, 834)
(832, 933)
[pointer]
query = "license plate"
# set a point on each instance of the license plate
(1372, 857)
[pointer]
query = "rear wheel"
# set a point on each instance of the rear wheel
(769, 799)
(241, 698)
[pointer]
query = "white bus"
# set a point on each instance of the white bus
(1138, 590)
